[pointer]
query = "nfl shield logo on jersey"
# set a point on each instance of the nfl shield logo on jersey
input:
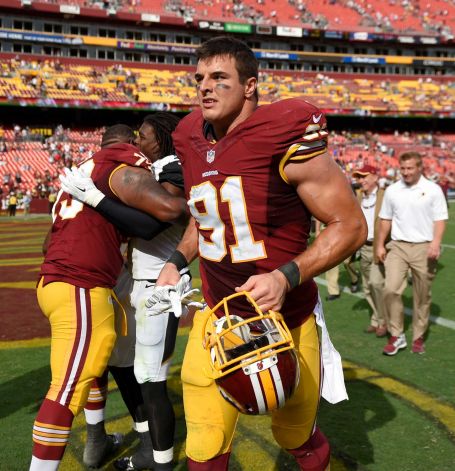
(210, 156)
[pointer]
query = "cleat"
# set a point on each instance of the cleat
(125, 464)
(99, 445)
(142, 459)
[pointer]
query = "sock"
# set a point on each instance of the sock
(314, 454)
(43, 465)
(141, 427)
(160, 415)
(51, 432)
(163, 459)
(96, 402)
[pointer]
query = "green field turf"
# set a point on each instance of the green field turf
(400, 416)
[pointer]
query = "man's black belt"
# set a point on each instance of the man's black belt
(369, 243)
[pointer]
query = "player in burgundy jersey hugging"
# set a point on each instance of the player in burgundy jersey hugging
(254, 176)
(81, 266)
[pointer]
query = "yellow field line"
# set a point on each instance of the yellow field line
(442, 412)
(21, 261)
(19, 284)
(30, 343)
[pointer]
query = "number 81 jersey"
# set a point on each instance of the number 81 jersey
(250, 220)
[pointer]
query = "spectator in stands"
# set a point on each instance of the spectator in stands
(370, 197)
(414, 210)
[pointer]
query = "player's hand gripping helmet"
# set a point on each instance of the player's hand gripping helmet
(253, 360)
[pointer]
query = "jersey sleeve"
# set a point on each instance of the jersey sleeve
(169, 169)
(311, 142)
(131, 222)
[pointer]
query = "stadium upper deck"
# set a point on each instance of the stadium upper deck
(411, 16)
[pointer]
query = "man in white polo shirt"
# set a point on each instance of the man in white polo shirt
(370, 197)
(415, 210)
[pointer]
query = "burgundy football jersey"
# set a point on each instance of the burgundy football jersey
(250, 220)
(84, 248)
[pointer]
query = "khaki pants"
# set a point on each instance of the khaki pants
(332, 275)
(373, 285)
(402, 256)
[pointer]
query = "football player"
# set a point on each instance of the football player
(148, 403)
(81, 266)
(254, 176)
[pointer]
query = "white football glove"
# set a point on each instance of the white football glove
(81, 186)
(174, 298)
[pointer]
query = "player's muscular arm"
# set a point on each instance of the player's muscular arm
(138, 188)
(324, 190)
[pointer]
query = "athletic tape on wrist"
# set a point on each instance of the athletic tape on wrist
(291, 272)
(178, 259)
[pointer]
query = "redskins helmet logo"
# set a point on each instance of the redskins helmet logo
(253, 360)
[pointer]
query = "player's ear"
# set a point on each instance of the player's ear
(250, 86)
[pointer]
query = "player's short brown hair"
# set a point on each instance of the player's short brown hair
(245, 61)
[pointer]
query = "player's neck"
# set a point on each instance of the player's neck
(222, 129)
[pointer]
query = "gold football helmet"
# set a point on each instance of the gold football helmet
(253, 359)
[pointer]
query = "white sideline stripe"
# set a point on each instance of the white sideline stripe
(448, 246)
(435, 319)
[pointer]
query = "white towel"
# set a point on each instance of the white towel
(333, 387)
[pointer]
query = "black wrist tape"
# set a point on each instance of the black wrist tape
(291, 272)
(178, 259)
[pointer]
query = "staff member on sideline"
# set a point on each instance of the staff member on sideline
(370, 197)
(415, 210)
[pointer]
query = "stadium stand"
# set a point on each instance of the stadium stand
(348, 73)
(60, 83)
(39, 162)
(407, 16)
